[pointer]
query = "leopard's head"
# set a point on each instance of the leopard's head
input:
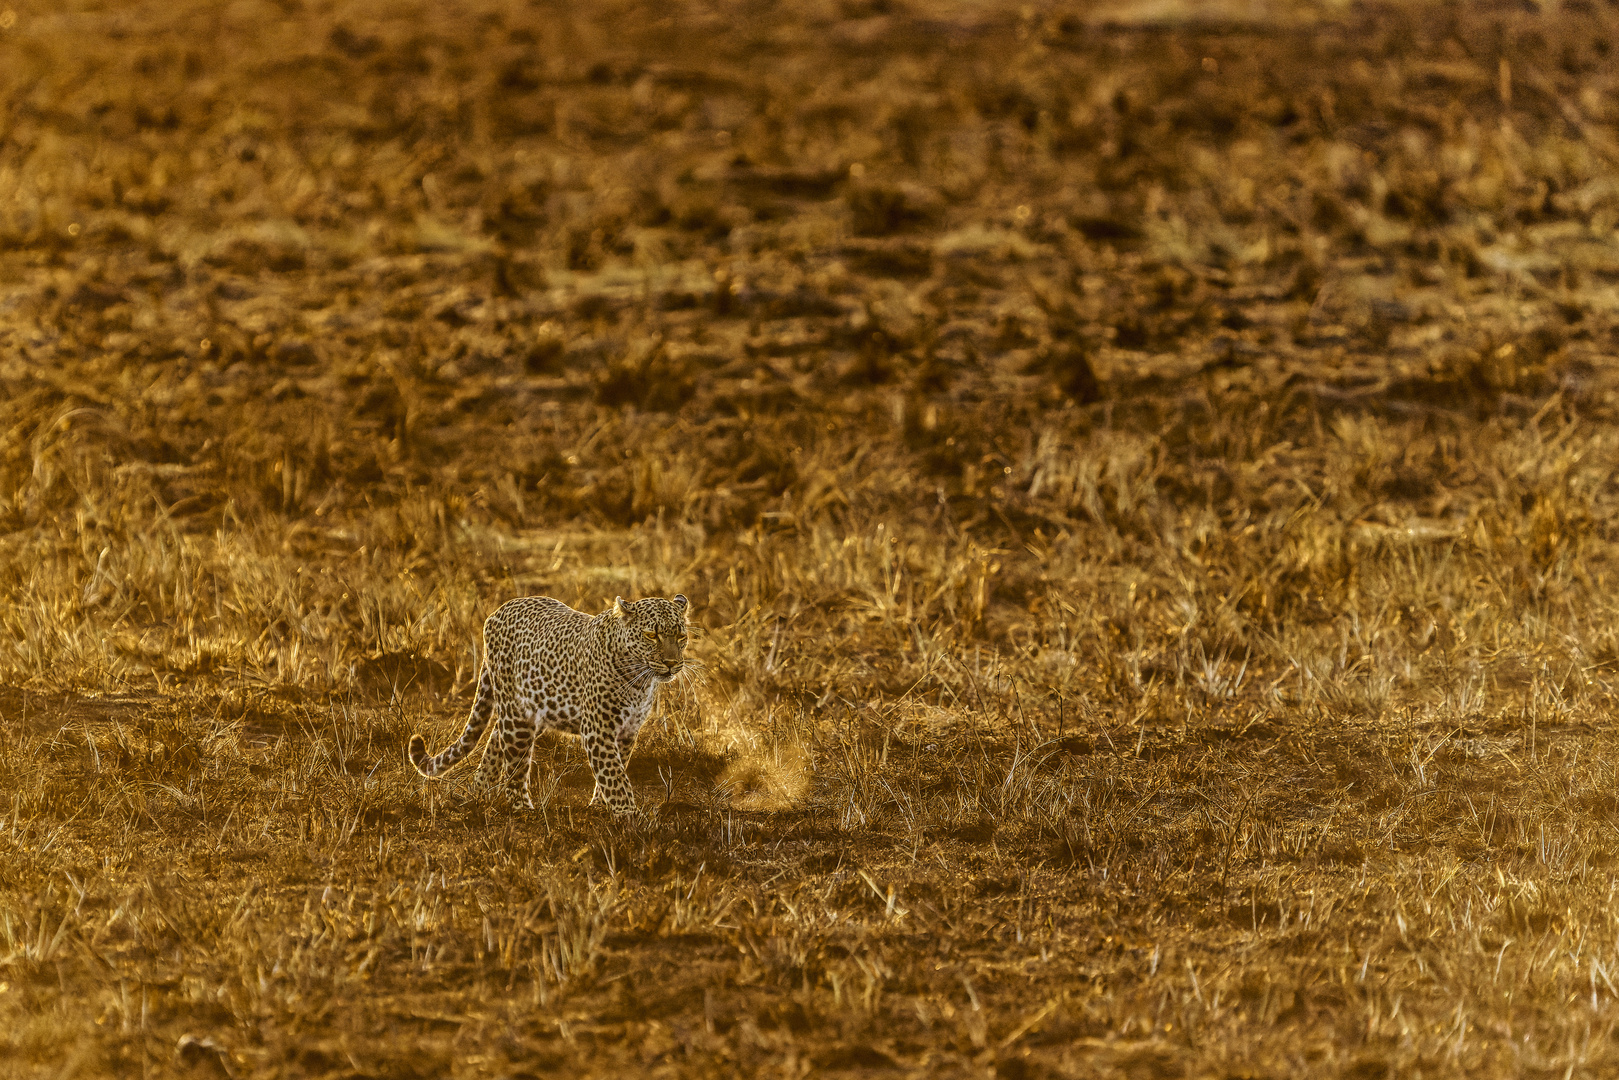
(653, 632)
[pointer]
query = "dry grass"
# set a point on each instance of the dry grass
(1146, 486)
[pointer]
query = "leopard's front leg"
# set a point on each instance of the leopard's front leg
(607, 763)
(625, 737)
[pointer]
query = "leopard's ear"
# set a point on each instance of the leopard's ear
(620, 608)
(680, 602)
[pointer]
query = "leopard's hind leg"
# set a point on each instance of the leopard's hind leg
(491, 775)
(495, 769)
(521, 760)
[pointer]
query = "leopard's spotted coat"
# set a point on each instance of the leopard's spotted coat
(549, 666)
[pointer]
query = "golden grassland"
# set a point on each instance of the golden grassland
(1145, 478)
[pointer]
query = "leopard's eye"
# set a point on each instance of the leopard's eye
(650, 635)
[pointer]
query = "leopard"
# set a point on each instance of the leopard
(548, 667)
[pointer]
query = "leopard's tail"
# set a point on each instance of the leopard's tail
(483, 707)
